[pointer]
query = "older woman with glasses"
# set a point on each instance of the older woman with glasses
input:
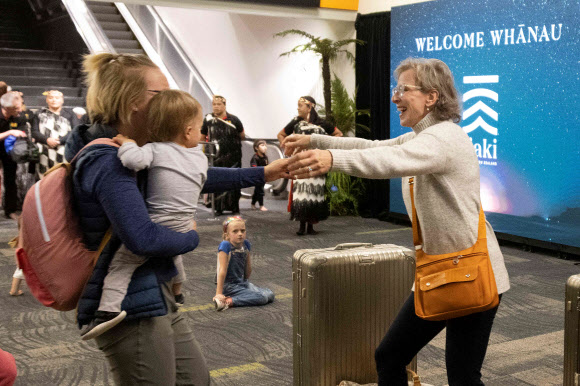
(442, 160)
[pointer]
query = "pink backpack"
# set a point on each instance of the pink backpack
(51, 253)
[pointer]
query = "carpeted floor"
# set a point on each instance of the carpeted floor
(253, 346)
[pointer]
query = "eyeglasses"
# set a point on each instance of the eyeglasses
(402, 88)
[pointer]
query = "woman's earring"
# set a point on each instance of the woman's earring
(427, 108)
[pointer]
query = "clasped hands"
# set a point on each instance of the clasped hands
(303, 163)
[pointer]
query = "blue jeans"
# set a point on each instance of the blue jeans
(465, 347)
(246, 294)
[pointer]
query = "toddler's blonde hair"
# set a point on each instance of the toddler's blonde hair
(170, 112)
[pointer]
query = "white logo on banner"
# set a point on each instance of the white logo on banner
(487, 149)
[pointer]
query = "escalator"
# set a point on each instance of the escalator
(115, 28)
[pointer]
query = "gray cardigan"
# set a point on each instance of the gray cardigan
(441, 158)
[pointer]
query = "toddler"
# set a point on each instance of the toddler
(177, 172)
(234, 267)
(259, 159)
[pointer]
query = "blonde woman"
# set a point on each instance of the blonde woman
(154, 343)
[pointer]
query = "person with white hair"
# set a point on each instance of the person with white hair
(13, 121)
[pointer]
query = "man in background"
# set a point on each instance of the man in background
(227, 130)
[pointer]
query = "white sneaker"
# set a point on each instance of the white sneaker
(102, 323)
(220, 305)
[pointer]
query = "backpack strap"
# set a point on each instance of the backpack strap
(98, 141)
(103, 244)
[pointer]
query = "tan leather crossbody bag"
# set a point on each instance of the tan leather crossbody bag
(454, 284)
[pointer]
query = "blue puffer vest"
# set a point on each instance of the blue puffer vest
(144, 296)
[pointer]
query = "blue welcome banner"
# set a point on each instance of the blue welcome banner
(517, 67)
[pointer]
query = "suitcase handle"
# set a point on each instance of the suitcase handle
(342, 246)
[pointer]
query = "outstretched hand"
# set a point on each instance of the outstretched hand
(276, 169)
(310, 163)
(295, 143)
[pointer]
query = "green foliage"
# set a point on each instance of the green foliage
(344, 108)
(328, 51)
(340, 109)
(347, 192)
(324, 47)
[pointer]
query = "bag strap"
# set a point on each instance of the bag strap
(103, 244)
(414, 377)
(415, 220)
(98, 141)
(417, 237)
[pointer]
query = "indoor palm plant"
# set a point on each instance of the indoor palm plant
(344, 191)
(329, 51)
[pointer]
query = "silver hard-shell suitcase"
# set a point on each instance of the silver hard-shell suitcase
(344, 300)
(571, 332)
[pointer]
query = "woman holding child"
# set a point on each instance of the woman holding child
(153, 344)
(440, 156)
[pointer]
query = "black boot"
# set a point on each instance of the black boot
(311, 230)
(302, 229)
